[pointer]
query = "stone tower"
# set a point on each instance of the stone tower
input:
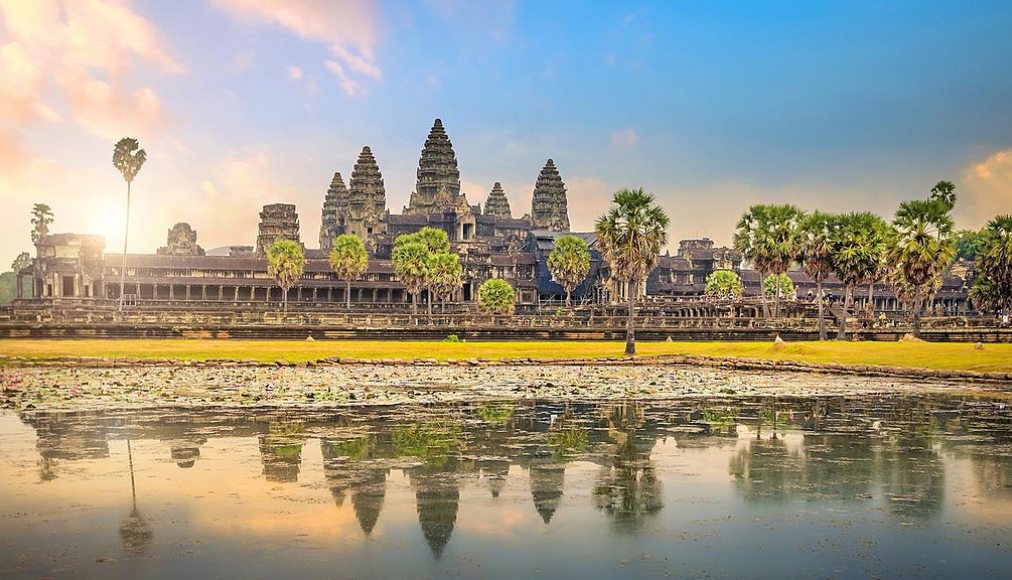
(335, 205)
(549, 209)
(497, 205)
(277, 221)
(437, 170)
(367, 199)
(181, 241)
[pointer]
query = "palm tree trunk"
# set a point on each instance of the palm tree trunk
(776, 298)
(918, 305)
(847, 293)
(122, 263)
(762, 295)
(569, 299)
(284, 300)
(630, 326)
(347, 293)
(871, 299)
(428, 301)
(414, 303)
(818, 298)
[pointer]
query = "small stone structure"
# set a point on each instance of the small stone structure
(181, 241)
(278, 221)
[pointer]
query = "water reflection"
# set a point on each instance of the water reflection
(909, 458)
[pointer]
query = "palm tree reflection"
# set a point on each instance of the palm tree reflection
(134, 533)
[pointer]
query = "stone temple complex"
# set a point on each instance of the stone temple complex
(490, 240)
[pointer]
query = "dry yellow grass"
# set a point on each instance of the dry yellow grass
(949, 356)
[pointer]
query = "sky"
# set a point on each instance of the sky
(710, 105)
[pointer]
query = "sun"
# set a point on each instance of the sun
(106, 219)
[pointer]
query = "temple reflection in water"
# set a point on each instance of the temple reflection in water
(619, 459)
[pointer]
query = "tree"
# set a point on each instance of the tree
(922, 251)
(434, 240)
(880, 246)
(815, 253)
(444, 275)
(775, 284)
(22, 261)
(128, 158)
(856, 257)
(944, 192)
(42, 216)
(285, 263)
(723, 283)
(767, 236)
(411, 263)
(349, 260)
(569, 263)
(631, 235)
(496, 296)
(993, 288)
(967, 244)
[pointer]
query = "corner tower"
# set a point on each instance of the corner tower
(549, 208)
(335, 206)
(497, 205)
(367, 199)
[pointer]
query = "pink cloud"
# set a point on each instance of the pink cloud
(624, 138)
(348, 29)
(986, 189)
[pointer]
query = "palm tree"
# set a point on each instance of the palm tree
(945, 192)
(767, 236)
(127, 157)
(569, 263)
(881, 248)
(923, 249)
(349, 260)
(993, 288)
(815, 253)
(42, 216)
(285, 263)
(856, 258)
(631, 236)
(411, 263)
(444, 275)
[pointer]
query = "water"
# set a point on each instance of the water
(812, 487)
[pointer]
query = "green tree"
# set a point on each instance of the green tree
(128, 158)
(922, 251)
(434, 239)
(445, 274)
(22, 261)
(631, 235)
(993, 288)
(768, 236)
(42, 216)
(967, 244)
(496, 296)
(880, 246)
(778, 284)
(411, 263)
(856, 255)
(724, 283)
(815, 253)
(349, 260)
(569, 263)
(944, 192)
(285, 263)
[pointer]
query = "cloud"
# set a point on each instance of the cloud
(588, 198)
(624, 138)
(78, 54)
(293, 73)
(348, 29)
(986, 189)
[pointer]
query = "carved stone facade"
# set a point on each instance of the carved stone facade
(334, 205)
(549, 207)
(181, 241)
(497, 205)
(438, 184)
(277, 221)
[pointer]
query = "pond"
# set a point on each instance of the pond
(882, 485)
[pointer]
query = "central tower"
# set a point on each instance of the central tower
(437, 170)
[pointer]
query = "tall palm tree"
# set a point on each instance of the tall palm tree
(815, 253)
(127, 157)
(945, 192)
(42, 216)
(285, 263)
(349, 260)
(411, 264)
(444, 276)
(856, 239)
(880, 245)
(569, 263)
(993, 288)
(631, 235)
(767, 236)
(922, 251)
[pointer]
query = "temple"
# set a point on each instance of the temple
(490, 241)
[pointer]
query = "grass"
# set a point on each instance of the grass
(930, 355)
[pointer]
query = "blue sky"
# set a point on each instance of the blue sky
(710, 105)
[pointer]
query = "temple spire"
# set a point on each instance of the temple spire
(497, 205)
(437, 169)
(367, 200)
(335, 204)
(549, 208)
